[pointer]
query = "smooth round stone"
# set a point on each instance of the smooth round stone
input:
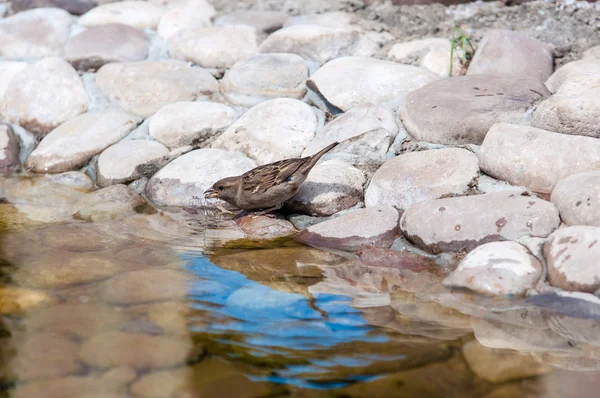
(576, 198)
(73, 143)
(139, 14)
(190, 123)
(352, 81)
(264, 227)
(216, 47)
(374, 226)
(75, 7)
(18, 300)
(592, 53)
(8, 70)
(264, 21)
(142, 88)
(44, 95)
(572, 257)
(34, 33)
(195, 15)
(331, 186)
(272, 130)
(497, 268)
(126, 161)
(99, 45)
(585, 67)
(108, 203)
(462, 109)
(263, 77)
(76, 180)
(418, 176)
(536, 158)
(183, 181)
(432, 54)
(463, 223)
(9, 150)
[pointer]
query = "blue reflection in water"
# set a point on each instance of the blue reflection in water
(275, 322)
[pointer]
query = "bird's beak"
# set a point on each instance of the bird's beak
(211, 193)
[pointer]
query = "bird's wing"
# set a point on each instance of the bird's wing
(262, 178)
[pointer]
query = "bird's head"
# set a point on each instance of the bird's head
(224, 189)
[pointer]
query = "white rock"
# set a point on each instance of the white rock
(190, 123)
(75, 142)
(577, 198)
(432, 54)
(592, 53)
(191, 16)
(108, 203)
(264, 21)
(139, 14)
(589, 67)
(8, 70)
(272, 130)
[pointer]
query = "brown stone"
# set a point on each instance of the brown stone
(75, 7)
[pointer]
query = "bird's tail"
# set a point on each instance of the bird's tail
(315, 158)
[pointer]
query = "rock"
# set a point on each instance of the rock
(142, 88)
(216, 47)
(374, 226)
(333, 19)
(99, 45)
(263, 77)
(318, 43)
(352, 81)
(34, 33)
(8, 70)
(73, 143)
(462, 109)
(576, 198)
(487, 184)
(18, 300)
(414, 177)
(432, 54)
(139, 14)
(193, 15)
(446, 225)
(183, 181)
(190, 123)
(571, 254)
(44, 95)
(589, 67)
(536, 158)
(9, 150)
(331, 186)
(506, 51)
(80, 238)
(497, 268)
(108, 203)
(498, 366)
(264, 227)
(263, 21)
(592, 53)
(75, 7)
(126, 161)
(272, 130)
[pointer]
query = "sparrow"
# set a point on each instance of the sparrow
(268, 186)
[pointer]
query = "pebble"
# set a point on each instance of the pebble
(138, 14)
(462, 109)
(373, 226)
(347, 82)
(99, 45)
(497, 268)
(272, 130)
(263, 77)
(414, 177)
(9, 150)
(75, 7)
(216, 47)
(34, 33)
(44, 95)
(263, 21)
(506, 51)
(183, 181)
(585, 67)
(18, 300)
(577, 198)
(572, 257)
(108, 203)
(127, 161)
(432, 54)
(536, 158)
(75, 142)
(463, 223)
(192, 15)
(331, 186)
(265, 227)
(142, 88)
(8, 70)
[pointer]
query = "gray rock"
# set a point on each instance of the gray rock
(432, 54)
(126, 161)
(264, 21)
(139, 14)
(487, 184)
(9, 150)
(577, 199)
(108, 203)
(75, 7)
(585, 67)
(332, 19)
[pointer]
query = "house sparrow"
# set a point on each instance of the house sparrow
(266, 187)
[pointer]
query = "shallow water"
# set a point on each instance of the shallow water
(172, 304)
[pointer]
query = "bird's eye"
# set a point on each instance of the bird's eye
(221, 187)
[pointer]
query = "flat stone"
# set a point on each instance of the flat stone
(373, 226)
(589, 67)
(139, 14)
(318, 43)
(44, 95)
(108, 203)
(536, 158)
(263, 77)
(17, 300)
(142, 88)
(414, 177)
(75, 7)
(462, 109)
(34, 33)
(264, 21)
(216, 47)
(192, 15)
(352, 81)
(272, 130)
(571, 254)
(432, 54)
(506, 51)
(576, 198)
(448, 224)
(9, 150)
(190, 123)
(99, 45)
(127, 161)
(8, 70)
(497, 268)
(73, 143)
(331, 186)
